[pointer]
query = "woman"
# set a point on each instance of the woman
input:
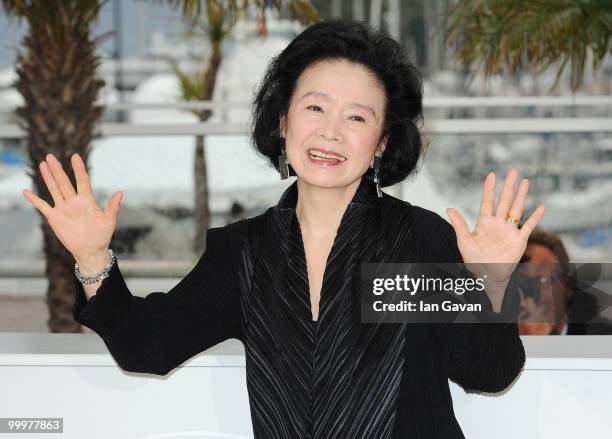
(337, 108)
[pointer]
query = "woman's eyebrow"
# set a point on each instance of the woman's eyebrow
(328, 98)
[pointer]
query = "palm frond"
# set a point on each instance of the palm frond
(221, 19)
(81, 14)
(506, 33)
(189, 8)
(217, 18)
(304, 11)
(192, 86)
(14, 8)
(198, 10)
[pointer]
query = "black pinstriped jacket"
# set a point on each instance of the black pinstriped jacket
(331, 378)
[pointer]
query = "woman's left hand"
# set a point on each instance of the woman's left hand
(494, 240)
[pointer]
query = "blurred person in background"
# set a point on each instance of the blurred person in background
(236, 213)
(552, 302)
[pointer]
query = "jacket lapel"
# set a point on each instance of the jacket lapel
(339, 376)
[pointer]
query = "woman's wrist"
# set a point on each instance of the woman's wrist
(93, 263)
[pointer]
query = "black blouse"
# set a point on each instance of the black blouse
(331, 378)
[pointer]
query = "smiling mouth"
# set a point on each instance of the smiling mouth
(320, 155)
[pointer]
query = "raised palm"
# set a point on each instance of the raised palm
(76, 219)
(495, 246)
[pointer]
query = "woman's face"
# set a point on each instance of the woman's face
(334, 123)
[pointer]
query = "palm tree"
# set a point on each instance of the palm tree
(56, 77)
(216, 24)
(506, 33)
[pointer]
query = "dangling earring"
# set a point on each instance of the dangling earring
(283, 162)
(376, 168)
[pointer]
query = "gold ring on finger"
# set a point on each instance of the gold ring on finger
(513, 220)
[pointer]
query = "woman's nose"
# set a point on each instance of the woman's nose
(330, 129)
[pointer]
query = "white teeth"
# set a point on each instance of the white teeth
(320, 154)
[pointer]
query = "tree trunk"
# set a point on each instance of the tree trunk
(56, 77)
(201, 213)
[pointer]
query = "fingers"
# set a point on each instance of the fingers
(507, 195)
(80, 173)
(526, 305)
(531, 304)
(532, 221)
(50, 182)
(488, 195)
(113, 204)
(534, 311)
(461, 228)
(37, 202)
(516, 211)
(61, 178)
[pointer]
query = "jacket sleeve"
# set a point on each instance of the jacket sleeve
(485, 357)
(156, 333)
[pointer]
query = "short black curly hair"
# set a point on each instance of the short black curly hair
(354, 41)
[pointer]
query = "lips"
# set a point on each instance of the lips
(326, 155)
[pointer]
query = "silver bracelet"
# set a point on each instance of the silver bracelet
(98, 276)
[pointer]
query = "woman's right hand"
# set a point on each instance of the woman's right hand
(76, 219)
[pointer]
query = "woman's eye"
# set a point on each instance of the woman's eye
(317, 108)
